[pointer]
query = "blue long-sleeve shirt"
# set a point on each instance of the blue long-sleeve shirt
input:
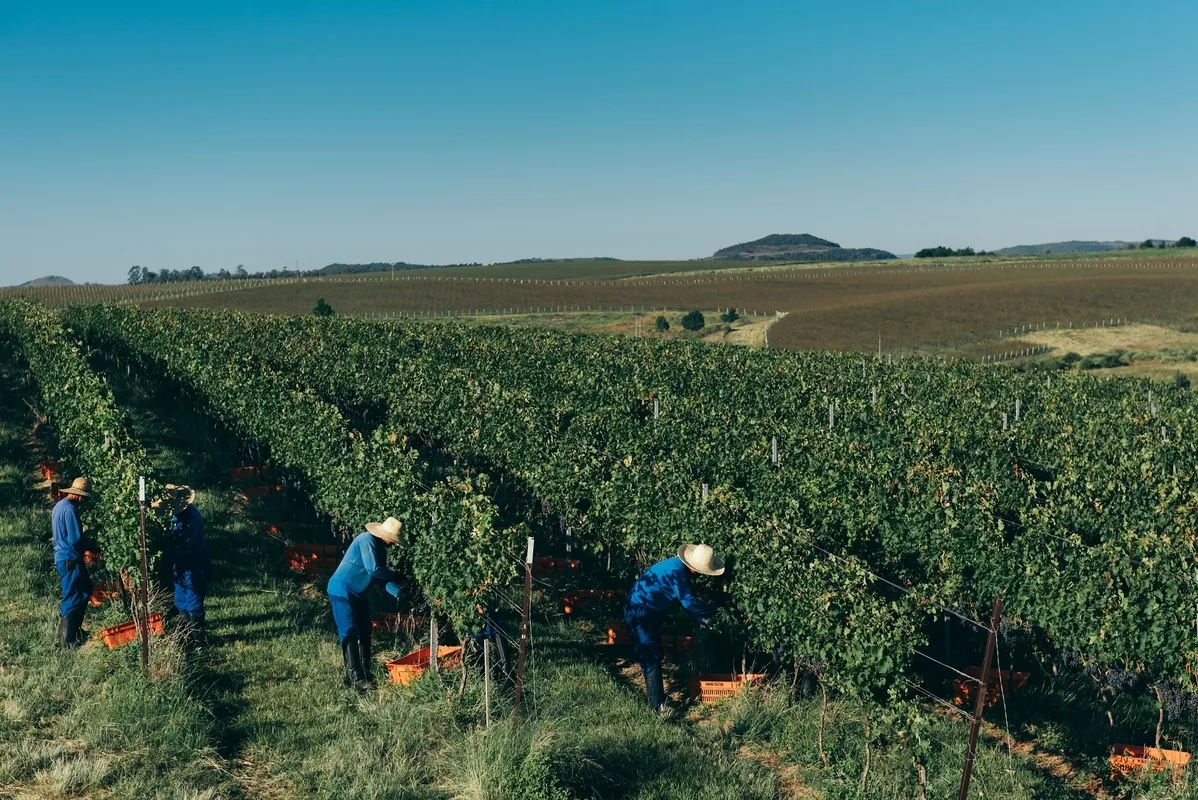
(190, 543)
(366, 560)
(68, 531)
(663, 584)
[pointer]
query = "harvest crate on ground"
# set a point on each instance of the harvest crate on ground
(102, 592)
(617, 635)
(1010, 682)
(707, 688)
(121, 635)
(1127, 759)
(545, 566)
(579, 597)
(312, 560)
(406, 669)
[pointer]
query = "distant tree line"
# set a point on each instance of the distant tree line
(139, 274)
(948, 252)
(1148, 244)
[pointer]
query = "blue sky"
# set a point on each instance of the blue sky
(215, 133)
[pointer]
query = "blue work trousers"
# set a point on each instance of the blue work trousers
(645, 630)
(191, 586)
(352, 615)
(76, 586)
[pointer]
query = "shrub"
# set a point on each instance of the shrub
(323, 309)
(662, 324)
(1115, 358)
(730, 316)
(694, 321)
(1181, 380)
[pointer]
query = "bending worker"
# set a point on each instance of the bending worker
(663, 584)
(364, 562)
(191, 564)
(69, 544)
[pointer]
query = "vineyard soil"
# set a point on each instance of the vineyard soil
(911, 306)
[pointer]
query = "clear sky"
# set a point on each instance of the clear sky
(171, 133)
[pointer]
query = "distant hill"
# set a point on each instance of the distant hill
(797, 247)
(1061, 247)
(50, 280)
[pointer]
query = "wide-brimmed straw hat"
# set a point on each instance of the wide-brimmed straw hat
(179, 496)
(387, 531)
(701, 558)
(80, 487)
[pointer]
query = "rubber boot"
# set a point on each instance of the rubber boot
(66, 636)
(654, 687)
(349, 652)
(81, 636)
(367, 666)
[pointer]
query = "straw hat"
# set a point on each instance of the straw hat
(387, 531)
(80, 487)
(180, 496)
(701, 558)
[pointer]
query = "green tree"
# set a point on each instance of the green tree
(1148, 245)
(693, 321)
(1186, 241)
(323, 309)
(662, 324)
(730, 315)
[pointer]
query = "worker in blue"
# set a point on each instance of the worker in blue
(659, 588)
(364, 562)
(69, 544)
(191, 564)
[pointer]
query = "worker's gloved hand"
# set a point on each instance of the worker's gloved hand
(393, 589)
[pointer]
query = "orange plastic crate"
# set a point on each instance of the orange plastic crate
(1128, 758)
(238, 474)
(394, 623)
(1011, 682)
(50, 469)
(126, 632)
(103, 592)
(544, 566)
(299, 556)
(258, 492)
(572, 600)
(617, 634)
(714, 687)
(408, 668)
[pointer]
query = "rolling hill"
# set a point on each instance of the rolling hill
(798, 247)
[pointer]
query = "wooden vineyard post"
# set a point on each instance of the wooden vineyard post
(145, 596)
(434, 641)
(487, 679)
(980, 704)
(524, 627)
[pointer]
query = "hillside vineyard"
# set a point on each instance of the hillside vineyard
(859, 501)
